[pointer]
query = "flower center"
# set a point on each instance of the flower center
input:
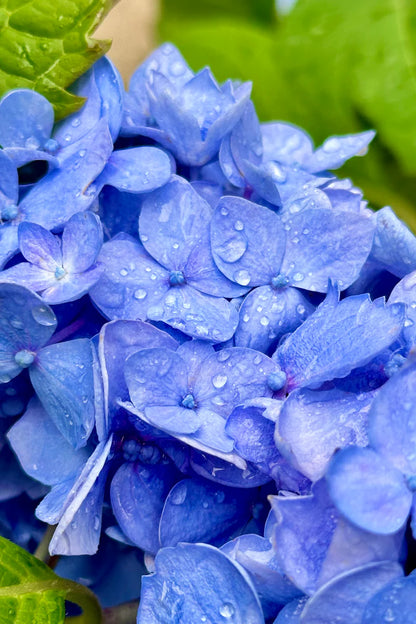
(60, 272)
(189, 402)
(24, 358)
(279, 281)
(276, 381)
(176, 278)
(411, 482)
(9, 212)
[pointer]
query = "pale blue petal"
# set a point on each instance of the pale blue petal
(392, 420)
(199, 511)
(136, 169)
(119, 340)
(323, 244)
(221, 471)
(9, 242)
(26, 119)
(338, 337)
(196, 314)
(72, 286)
(28, 275)
(394, 244)
(137, 497)
(79, 526)
(395, 602)
(315, 424)
(26, 323)
(50, 509)
(285, 143)
(84, 161)
(247, 241)
(343, 599)
(196, 581)
(131, 283)
(368, 491)
(336, 150)
(9, 180)
(266, 314)
(173, 220)
(81, 241)
(41, 449)
(62, 376)
(256, 555)
(39, 246)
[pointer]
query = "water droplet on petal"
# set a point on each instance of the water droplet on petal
(298, 277)
(239, 226)
(44, 316)
(219, 381)
(331, 145)
(242, 277)
(140, 293)
(178, 495)
(227, 610)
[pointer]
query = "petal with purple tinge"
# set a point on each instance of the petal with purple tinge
(39, 246)
(368, 491)
(136, 169)
(82, 239)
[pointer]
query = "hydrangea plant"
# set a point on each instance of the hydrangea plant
(206, 357)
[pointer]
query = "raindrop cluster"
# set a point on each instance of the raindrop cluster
(207, 373)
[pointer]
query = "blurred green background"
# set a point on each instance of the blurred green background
(331, 66)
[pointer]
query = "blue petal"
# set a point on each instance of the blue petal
(51, 507)
(9, 180)
(136, 170)
(247, 241)
(9, 243)
(29, 275)
(26, 323)
(392, 420)
(368, 491)
(285, 143)
(395, 603)
(292, 612)
(137, 497)
(200, 511)
(84, 160)
(42, 451)
(103, 89)
(343, 600)
(156, 377)
(62, 376)
(394, 244)
(338, 337)
(132, 281)
(194, 353)
(26, 119)
(23, 156)
(228, 164)
(323, 244)
(119, 340)
(405, 292)
(79, 526)
(39, 246)
(172, 222)
(230, 377)
(81, 241)
(221, 471)
(197, 581)
(266, 314)
(73, 286)
(337, 149)
(256, 555)
(315, 424)
(196, 314)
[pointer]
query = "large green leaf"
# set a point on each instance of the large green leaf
(31, 593)
(46, 44)
(332, 67)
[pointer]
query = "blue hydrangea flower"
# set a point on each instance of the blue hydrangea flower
(252, 247)
(170, 276)
(60, 271)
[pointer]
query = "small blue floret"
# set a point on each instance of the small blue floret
(276, 381)
(279, 281)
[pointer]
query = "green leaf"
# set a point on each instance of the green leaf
(46, 45)
(332, 67)
(31, 593)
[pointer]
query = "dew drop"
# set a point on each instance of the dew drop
(44, 316)
(298, 277)
(178, 494)
(140, 293)
(219, 497)
(219, 381)
(123, 272)
(227, 610)
(331, 145)
(264, 321)
(205, 505)
(239, 226)
(242, 277)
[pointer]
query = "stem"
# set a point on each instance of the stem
(125, 613)
(42, 551)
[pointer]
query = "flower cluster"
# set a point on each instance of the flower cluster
(207, 336)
